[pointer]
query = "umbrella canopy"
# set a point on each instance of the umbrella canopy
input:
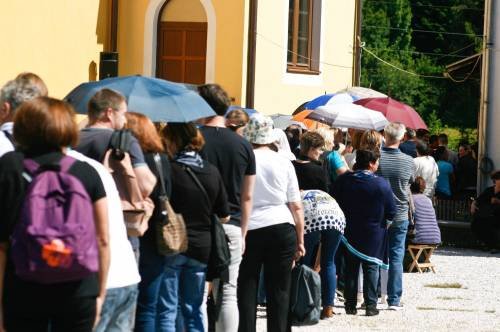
(360, 92)
(328, 99)
(349, 116)
(309, 123)
(282, 121)
(394, 111)
(160, 100)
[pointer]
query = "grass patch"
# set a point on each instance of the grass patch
(449, 298)
(445, 309)
(445, 285)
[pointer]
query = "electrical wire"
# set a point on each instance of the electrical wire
(430, 6)
(398, 68)
(416, 52)
(300, 55)
(424, 31)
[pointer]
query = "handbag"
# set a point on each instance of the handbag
(171, 233)
(220, 256)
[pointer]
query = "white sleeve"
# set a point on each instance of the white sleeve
(5, 145)
(293, 192)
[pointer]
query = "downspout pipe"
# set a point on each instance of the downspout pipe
(251, 54)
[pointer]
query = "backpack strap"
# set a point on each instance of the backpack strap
(198, 183)
(9, 137)
(64, 165)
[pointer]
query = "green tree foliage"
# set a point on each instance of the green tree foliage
(392, 29)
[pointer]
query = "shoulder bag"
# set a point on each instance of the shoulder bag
(220, 256)
(171, 233)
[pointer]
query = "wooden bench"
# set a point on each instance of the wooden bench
(416, 250)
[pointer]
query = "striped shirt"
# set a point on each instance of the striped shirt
(399, 169)
(426, 227)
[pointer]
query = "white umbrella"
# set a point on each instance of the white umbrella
(349, 116)
(282, 121)
(360, 92)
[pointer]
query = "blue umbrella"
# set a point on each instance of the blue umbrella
(160, 100)
(329, 99)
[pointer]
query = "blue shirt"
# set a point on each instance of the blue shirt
(334, 163)
(443, 180)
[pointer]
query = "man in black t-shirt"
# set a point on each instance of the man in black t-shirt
(234, 157)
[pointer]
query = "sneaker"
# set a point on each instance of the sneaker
(351, 311)
(372, 311)
(395, 307)
(363, 305)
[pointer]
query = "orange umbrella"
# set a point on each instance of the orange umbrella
(309, 123)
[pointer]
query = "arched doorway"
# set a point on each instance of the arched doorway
(182, 42)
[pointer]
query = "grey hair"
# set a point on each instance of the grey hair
(328, 135)
(16, 92)
(394, 132)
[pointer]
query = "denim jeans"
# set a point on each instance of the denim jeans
(183, 287)
(229, 315)
(397, 236)
(151, 307)
(370, 281)
(118, 310)
(330, 240)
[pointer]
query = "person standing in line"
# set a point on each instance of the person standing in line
(233, 156)
(426, 167)
(185, 273)
(399, 170)
(117, 313)
(446, 177)
(312, 176)
(409, 146)
(151, 309)
(44, 128)
(366, 228)
(452, 155)
(275, 232)
(12, 95)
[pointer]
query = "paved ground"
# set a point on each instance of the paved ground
(471, 302)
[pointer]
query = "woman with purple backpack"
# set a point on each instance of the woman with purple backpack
(54, 252)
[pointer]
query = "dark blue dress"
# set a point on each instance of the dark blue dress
(368, 202)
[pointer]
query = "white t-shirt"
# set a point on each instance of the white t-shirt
(275, 185)
(427, 168)
(5, 143)
(123, 270)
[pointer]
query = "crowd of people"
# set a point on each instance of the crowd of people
(68, 261)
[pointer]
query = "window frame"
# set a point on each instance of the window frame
(314, 35)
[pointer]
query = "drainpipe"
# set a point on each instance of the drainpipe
(114, 26)
(251, 55)
(484, 106)
(356, 73)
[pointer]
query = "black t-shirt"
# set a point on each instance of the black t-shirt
(12, 191)
(311, 176)
(94, 142)
(234, 158)
(188, 200)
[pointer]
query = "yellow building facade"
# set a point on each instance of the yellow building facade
(61, 40)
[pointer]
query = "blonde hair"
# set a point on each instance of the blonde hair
(328, 135)
(370, 140)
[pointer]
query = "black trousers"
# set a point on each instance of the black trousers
(370, 281)
(54, 314)
(273, 247)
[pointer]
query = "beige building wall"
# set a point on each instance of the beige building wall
(277, 91)
(184, 11)
(59, 40)
(229, 37)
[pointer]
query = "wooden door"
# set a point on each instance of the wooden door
(182, 50)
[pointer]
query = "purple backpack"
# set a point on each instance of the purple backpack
(54, 240)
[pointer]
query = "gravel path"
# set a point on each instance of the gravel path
(472, 304)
